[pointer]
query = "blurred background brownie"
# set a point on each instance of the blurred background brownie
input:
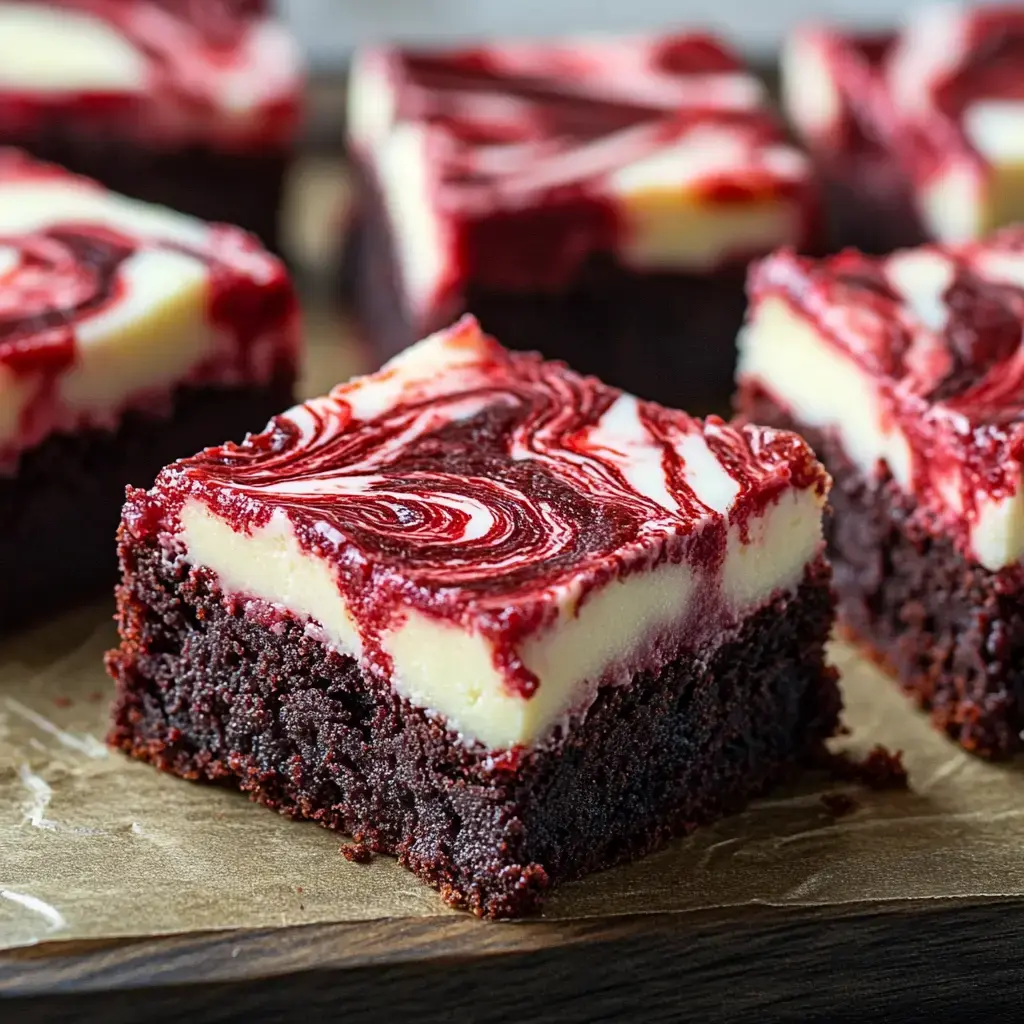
(906, 374)
(194, 105)
(917, 133)
(129, 336)
(596, 199)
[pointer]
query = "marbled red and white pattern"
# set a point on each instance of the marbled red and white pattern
(81, 267)
(482, 485)
(941, 101)
(511, 165)
(219, 72)
(939, 333)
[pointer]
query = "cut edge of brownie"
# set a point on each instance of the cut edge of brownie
(60, 508)
(209, 689)
(950, 631)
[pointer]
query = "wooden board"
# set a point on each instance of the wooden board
(952, 961)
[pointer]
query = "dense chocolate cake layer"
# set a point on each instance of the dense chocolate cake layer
(210, 690)
(59, 513)
(950, 630)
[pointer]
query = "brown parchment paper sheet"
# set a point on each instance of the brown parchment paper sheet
(94, 846)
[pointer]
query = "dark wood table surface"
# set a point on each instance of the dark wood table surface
(952, 961)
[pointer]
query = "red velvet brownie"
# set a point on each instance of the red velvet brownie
(917, 133)
(502, 620)
(906, 374)
(194, 104)
(128, 335)
(594, 199)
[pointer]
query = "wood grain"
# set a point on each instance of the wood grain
(905, 962)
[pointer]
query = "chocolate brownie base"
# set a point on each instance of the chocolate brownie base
(870, 208)
(670, 337)
(208, 692)
(59, 511)
(244, 189)
(949, 630)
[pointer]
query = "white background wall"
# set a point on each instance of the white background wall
(329, 28)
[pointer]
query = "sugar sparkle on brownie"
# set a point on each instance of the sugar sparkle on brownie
(907, 374)
(484, 555)
(534, 184)
(117, 321)
(187, 104)
(921, 127)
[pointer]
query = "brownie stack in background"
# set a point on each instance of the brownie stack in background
(917, 133)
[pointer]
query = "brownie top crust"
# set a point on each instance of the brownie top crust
(493, 533)
(510, 165)
(108, 304)
(916, 359)
(944, 95)
(165, 72)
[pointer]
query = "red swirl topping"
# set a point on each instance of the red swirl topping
(466, 480)
(60, 277)
(216, 71)
(941, 330)
(522, 143)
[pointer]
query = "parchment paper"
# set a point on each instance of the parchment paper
(95, 846)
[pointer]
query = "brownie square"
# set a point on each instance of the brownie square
(905, 373)
(128, 335)
(195, 106)
(596, 200)
(914, 132)
(503, 621)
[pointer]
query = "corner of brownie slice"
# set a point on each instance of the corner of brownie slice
(501, 620)
(906, 374)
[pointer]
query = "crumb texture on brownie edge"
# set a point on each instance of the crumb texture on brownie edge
(110, 304)
(915, 359)
(511, 535)
(675, 159)
(950, 631)
(208, 692)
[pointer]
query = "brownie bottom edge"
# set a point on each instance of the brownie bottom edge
(207, 692)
